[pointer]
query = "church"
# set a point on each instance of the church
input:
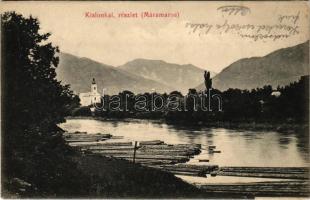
(91, 97)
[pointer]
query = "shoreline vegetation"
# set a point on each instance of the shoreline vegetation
(283, 127)
(283, 110)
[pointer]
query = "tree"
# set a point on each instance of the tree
(33, 103)
(208, 80)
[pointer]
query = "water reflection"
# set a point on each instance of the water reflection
(238, 148)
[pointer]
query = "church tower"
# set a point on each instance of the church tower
(92, 97)
(94, 87)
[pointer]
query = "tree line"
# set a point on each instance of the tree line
(285, 104)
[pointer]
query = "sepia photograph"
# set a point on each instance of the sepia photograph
(161, 99)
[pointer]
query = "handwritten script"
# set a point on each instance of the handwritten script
(234, 10)
(284, 26)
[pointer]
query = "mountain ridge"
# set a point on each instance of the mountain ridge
(182, 77)
(79, 71)
(277, 68)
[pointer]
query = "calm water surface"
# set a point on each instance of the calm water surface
(238, 148)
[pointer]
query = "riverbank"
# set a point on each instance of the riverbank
(116, 178)
(284, 127)
(103, 177)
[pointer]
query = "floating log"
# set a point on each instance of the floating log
(266, 169)
(164, 153)
(153, 142)
(156, 157)
(271, 188)
(73, 134)
(167, 146)
(204, 167)
(109, 148)
(167, 150)
(214, 173)
(117, 137)
(152, 163)
(96, 135)
(185, 173)
(129, 154)
(106, 144)
(87, 135)
(114, 152)
(266, 172)
(129, 151)
(188, 149)
(107, 135)
(201, 169)
(265, 175)
(144, 148)
(175, 153)
(171, 168)
(214, 151)
(83, 137)
(77, 132)
(191, 170)
(85, 140)
(189, 145)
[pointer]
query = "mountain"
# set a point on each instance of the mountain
(278, 68)
(181, 77)
(79, 72)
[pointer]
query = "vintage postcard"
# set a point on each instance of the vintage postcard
(155, 99)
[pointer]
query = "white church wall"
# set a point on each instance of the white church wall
(91, 97)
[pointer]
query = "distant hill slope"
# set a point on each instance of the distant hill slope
(78, 72)
(280, 67)
(181, 77)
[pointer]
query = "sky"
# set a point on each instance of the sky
(119, 40)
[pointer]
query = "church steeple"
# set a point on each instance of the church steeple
(92, 97)
(93, 86)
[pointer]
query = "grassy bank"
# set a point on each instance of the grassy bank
(101, 177)
(115, 178)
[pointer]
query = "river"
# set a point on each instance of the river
(238, 147)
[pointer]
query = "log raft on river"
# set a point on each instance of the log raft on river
(169, 157)
(172, 158)
(154, 152)
(266, 172)
(267, 188)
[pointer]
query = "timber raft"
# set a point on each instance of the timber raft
(155, 152)
(173, 157)
(268, 188)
